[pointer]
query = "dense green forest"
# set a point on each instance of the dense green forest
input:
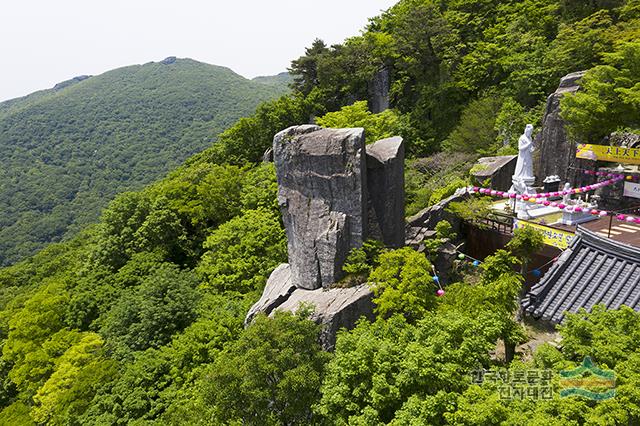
(139, 318)
(66, 152)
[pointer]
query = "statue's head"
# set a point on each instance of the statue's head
(528, 130)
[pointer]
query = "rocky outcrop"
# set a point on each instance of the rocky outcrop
(421, 225)
(497, 170)
(277, 290)
(379, 89)
(333, 309)
(385, 184)
(555, 152)
(333, 193)
(626, 139)
(168, 60)
(70, 82)
(322, 195)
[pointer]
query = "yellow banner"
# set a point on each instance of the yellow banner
(616, 154)
(551, 236)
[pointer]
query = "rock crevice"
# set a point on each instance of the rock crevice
(334, 192)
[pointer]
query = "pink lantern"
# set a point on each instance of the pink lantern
(637, 220)
(440, 292)
(505, 195)
(500, 193)
(621, 217)
(475, 189)
(603, 213)
(578, 209)
(493, 192)
(561, 206)
(554, 204)
(630, 219)
(512, 195)
(546, 203)
(518, 197)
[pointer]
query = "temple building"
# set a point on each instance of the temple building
(593, 270)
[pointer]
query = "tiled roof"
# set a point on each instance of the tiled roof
(591, 271)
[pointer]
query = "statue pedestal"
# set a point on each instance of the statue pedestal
(572, 218)
(528, 183)
(524, 185)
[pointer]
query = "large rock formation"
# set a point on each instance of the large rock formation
(333, 193)
(322, 195)
(333, 309)
(385, 184)
(421, 225)
(555, 152)
(498, 170)
(379, 88)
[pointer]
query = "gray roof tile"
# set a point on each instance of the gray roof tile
(592, 270)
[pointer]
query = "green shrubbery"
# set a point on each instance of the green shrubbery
(139, 319)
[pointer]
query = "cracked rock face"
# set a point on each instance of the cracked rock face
(333, 309)
(276, 292)
(556, 153)
(385, 184)
(322, 195)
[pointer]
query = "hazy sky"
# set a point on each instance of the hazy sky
(44, 42)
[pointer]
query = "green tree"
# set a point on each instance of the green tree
(376, 126)
(149, 315)
(525, 243)
(382, 369)
(271, 375)
(476, 131)
(305, 69)
(609, 99)
(242, 253)
(403, 284)
(67, 393)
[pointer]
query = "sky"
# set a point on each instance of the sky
(44, 42)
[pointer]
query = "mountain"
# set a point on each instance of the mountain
(281, 80)
(65, 152)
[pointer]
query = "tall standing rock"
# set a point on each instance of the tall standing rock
(385, 184)
(555, 152)
(322, 195)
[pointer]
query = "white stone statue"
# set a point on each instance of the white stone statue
(566, 198)
(524, 165)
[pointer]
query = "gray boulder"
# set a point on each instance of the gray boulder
(322, 195)
(555, 152)
(498, 170)
(334, 308)
(385, 183)
(276, 291)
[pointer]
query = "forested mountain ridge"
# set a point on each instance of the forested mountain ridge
(65, 152)
(139, 319)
